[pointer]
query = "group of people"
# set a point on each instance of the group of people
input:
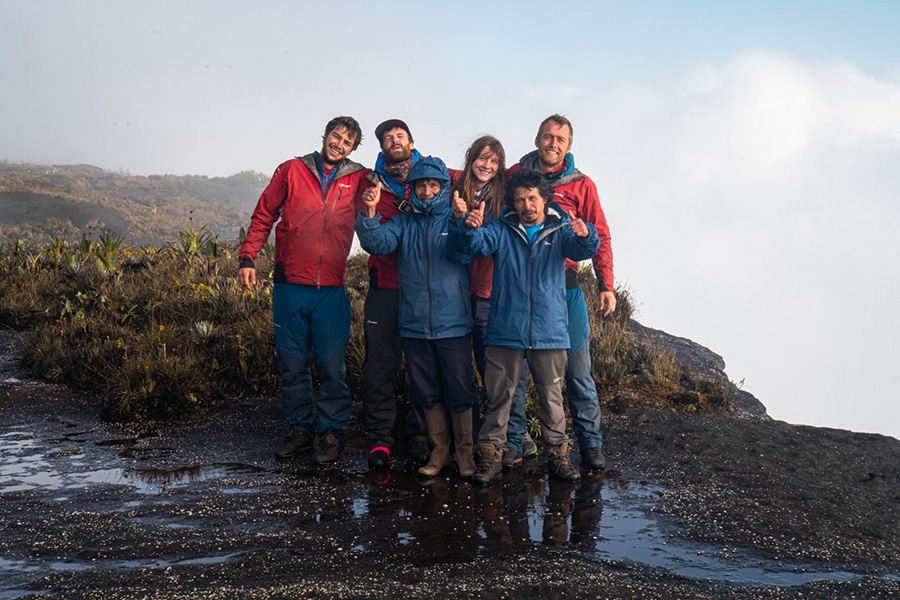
(479, 261)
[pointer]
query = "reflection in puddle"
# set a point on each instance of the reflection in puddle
(25, 566)
(441, 521)
(26, 466)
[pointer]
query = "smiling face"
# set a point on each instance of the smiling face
(529, 205)
(553, 142)
(337, 145)
(485, 167)
(396, 145)
(427, 189)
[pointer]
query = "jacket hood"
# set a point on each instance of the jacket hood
(430, 167)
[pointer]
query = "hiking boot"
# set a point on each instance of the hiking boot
(462, 437)
(379, 458)
(436, 420)
(529, 448)
(560, 466)
(295, 441)
(592, 458)
(491, 464)
(329, 450)
(420, 452)
(511, 457)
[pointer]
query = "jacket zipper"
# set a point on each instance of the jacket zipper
(428, 273)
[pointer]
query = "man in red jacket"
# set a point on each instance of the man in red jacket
(576, 194)
(383, 345)
(313, 199)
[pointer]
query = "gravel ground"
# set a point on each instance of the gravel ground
(201, 510)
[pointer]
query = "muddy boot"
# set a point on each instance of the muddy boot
(559, 465)
(491, 464)
(462, 437)
(436, 419)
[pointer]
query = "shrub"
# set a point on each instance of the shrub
(161, 333)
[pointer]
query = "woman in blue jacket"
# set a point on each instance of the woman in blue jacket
(435, 313)
(530, 243)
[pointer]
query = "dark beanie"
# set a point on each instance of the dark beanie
(392, 124)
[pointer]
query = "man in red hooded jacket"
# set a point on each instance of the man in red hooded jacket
(576, 194)
(314, 200)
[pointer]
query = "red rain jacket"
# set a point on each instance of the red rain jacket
(315, 230)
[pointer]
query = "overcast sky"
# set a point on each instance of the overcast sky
(747, 153)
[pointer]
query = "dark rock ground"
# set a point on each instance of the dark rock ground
(201, 510)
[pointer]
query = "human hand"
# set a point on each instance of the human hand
(607, 303)
(476, 216)
(459, 206)
(370, 198)
(579, 229)
(247, 277)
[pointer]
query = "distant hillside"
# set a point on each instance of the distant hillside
(65, 201)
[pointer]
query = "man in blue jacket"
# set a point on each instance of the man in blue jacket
(530, 243)
(435, 316)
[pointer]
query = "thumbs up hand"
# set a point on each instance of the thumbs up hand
(577, 225)
(459, 206)
(476, 216)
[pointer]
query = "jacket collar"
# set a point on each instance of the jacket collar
(568, 173)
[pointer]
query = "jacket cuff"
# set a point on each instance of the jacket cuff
(247, 263)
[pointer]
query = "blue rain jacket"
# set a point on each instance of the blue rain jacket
(528, 298)
(434, 278)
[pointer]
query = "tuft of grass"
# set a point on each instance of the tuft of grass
(166, 332)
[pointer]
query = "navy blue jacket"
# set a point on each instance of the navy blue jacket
(434, 279)
(528, 298)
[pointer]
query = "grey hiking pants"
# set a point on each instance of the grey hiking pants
(503, 367)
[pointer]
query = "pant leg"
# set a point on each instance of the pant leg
(293, 345)
(584, 406)
(457, 376)
(381, 365)
(503, 368)
(481, 310)
(548, 367)
(518, 419)
(423, 367)
(330, 333)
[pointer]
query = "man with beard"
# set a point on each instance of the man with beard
(382, 333)
(576, 194)
(314, 200)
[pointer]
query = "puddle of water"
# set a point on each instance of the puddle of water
(604, 515)
(26, 465)
(12, 594)
(150, 563)
(446, 519)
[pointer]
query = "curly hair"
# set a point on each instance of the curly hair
(529, 179)
(350, 124)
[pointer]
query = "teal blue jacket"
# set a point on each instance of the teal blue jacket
(434, 278)
(528, 297)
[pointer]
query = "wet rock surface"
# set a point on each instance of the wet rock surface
(692, 506)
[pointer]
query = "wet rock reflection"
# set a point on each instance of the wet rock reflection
(172, 513)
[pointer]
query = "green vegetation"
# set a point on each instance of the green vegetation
(167, 332)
